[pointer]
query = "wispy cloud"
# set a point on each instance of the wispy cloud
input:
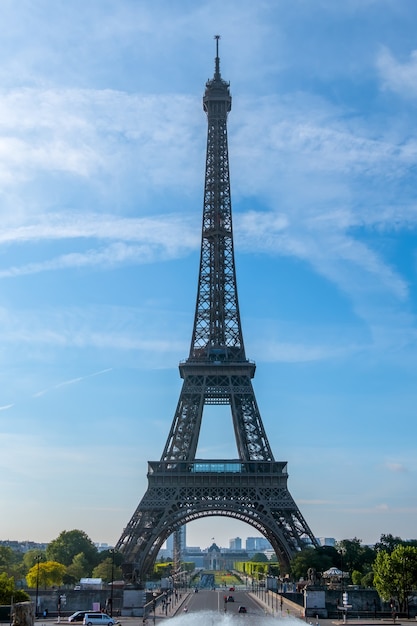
(163, 238)
(397, 76)
(72, 381)
(111, 256)
(5, 407)
(92, 132)
(58, 226)
(395, 467)
(327, 247)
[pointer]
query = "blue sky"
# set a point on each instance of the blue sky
(102, 153)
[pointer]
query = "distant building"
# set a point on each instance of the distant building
(326, 541)
(102, 547)
(235, 544)
(222, 558)
(257, 544)
(164, 554)
(23, 546)
(170, 542)
(194, 555)
(213, 559)
(91, 583)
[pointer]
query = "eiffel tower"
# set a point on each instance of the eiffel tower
(182, 488)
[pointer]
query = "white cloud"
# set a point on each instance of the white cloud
(58, 226)
(396, 76)
(311, 153)
(95, 134)
(161, 237)
(395, 467)
(327, 246)
(104, 327)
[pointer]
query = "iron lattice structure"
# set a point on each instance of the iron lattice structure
(181, 488)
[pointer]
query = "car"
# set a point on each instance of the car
(242, 609)
(231, 588)
(98, 618)
(230, 599)
(78, 616)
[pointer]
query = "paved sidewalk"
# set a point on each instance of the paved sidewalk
(291, 609)
(163, 612)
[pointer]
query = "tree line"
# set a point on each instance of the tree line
(67, 559)
(390, 566)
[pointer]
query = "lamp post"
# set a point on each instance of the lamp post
(154, 605)
(344, 604)
(38, 558)
(406, 606)
(112, 581)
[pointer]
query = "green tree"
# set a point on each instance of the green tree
(367, 558)
(69, 579)
(7, 559)
(259, 569)
(274, 569)
(117, 557)
(79, 567)
(388, 543)
(10, 562)
(8, 591)
(45, 574)
(105, 569)
(368, 580)
(31, 557)
(70, 543)
(349, 551)
(163, 570)
(352, 555)
(259, 557)
(316, 558)
(395, 574)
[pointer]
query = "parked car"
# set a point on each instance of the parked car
(91, 619)
(230, 599)
(231, 588)
(242, 609)
(78, 616)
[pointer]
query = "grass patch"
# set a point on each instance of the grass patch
(225, 579)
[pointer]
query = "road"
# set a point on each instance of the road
(215, 601)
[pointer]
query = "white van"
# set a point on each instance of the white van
(90, 619)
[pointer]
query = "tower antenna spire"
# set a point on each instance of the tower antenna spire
(217, 66)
